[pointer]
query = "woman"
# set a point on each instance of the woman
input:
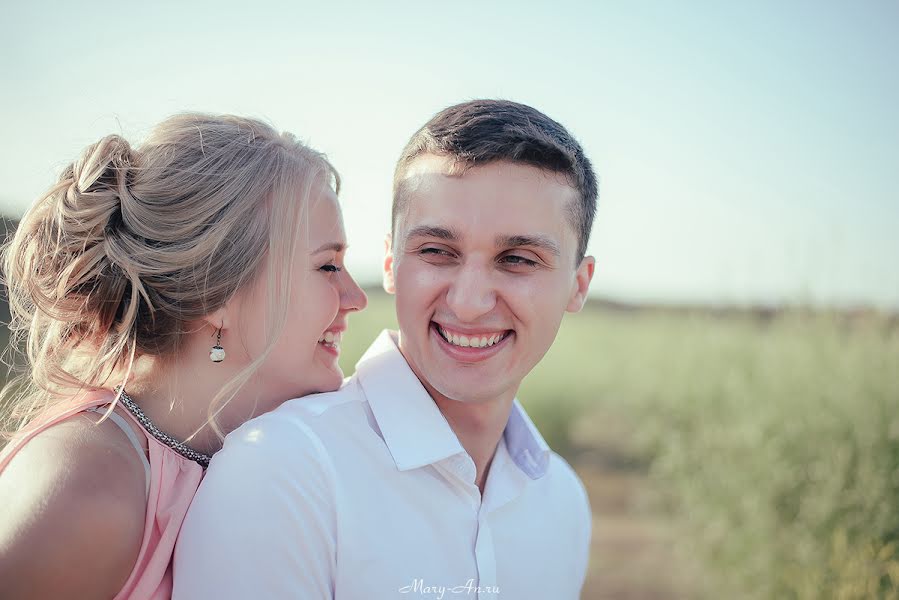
(168, 293)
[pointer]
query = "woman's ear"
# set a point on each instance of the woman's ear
(219, 319)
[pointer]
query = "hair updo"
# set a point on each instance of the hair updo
(133, 245)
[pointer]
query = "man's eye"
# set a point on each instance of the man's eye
(434, 252)
(329, 268)
(513, 259)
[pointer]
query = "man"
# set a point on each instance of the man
(423, 475)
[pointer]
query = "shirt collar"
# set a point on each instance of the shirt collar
(415, 431)
(526, 446)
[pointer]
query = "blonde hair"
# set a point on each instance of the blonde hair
(133, 245)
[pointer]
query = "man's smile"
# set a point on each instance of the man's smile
(471, 339)
(473, 346)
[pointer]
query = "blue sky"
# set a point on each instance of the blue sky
(748, 152)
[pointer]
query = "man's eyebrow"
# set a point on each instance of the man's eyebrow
(335, 246)
(537, 241)
(431, 231)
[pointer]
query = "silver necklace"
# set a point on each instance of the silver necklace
(179, 447)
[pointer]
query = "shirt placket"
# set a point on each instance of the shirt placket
(460, 472)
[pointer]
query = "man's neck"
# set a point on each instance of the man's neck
(478, 424)
(479, 427)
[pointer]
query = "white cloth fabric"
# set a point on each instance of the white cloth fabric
(367, 493)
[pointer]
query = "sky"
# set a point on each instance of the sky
(748, 153)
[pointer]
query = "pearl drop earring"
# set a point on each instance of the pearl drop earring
(217, 354)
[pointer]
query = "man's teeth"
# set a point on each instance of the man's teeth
(465, 341)
(330, 338)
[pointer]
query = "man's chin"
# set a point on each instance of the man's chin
(466, 394)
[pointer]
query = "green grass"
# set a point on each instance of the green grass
(774, 442)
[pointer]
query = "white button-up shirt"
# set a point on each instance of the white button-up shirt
(366, 493)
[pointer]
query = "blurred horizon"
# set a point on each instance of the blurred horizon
(748, 154)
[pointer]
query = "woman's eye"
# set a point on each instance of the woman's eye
(329, 268)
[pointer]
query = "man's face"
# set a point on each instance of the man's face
(483, 268)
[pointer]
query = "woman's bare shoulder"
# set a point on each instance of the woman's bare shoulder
(74, 503)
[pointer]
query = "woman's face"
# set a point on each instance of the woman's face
(322, 294)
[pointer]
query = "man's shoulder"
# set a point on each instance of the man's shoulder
(300, 421)
(568, 487)
(325, 404)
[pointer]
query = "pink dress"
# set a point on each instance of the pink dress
(172, 482)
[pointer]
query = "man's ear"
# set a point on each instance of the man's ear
(581, 284)
(387, 276)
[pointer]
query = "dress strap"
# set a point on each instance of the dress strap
(132, 437)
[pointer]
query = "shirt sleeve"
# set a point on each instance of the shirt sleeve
(579, 521)
(586, 528)
(263, 522)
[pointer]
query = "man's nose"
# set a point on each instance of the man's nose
(471, 293)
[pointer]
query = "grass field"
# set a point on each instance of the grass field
(769, 443)
(726, 455)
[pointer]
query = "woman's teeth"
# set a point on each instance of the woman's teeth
(476, 341)
(330, 339)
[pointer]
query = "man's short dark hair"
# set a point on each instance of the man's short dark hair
(479, 132)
